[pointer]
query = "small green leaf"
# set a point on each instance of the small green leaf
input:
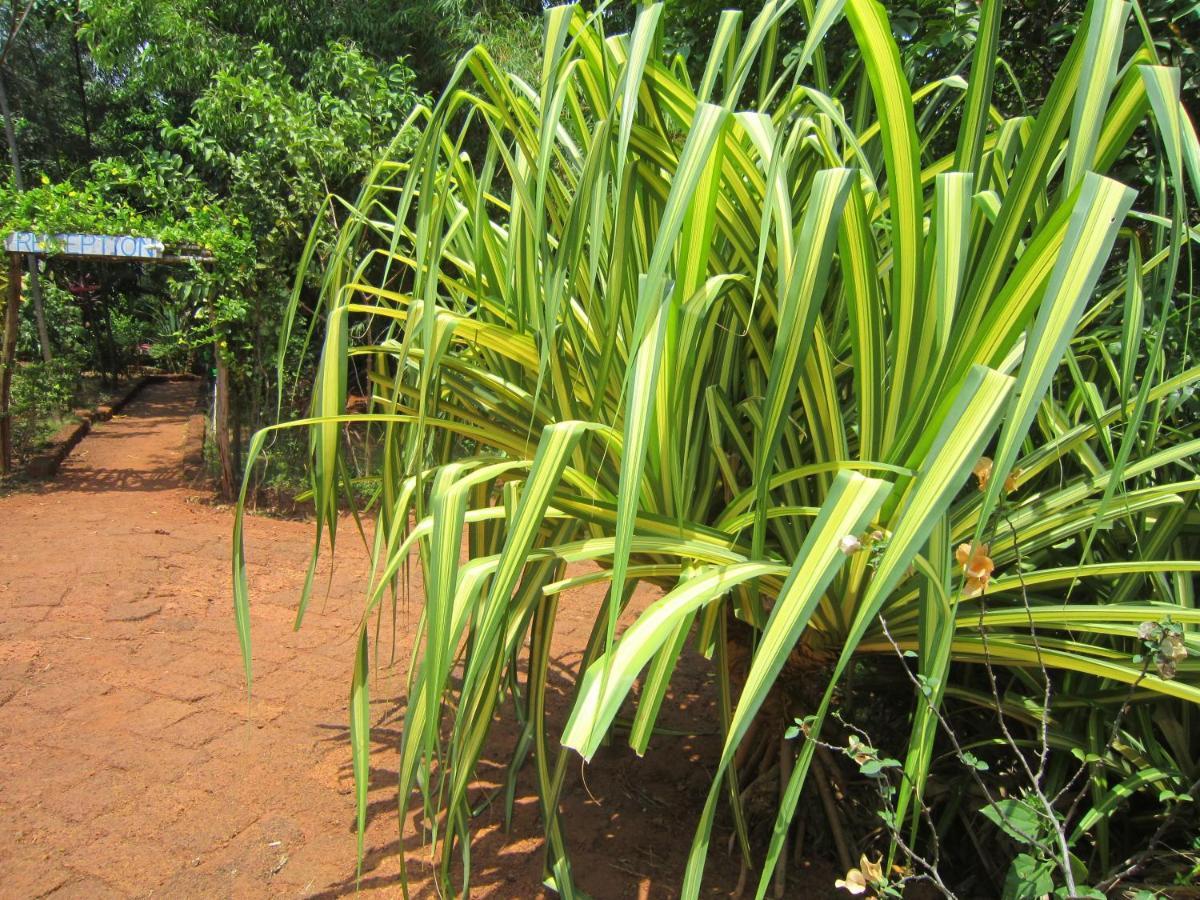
(1016, 818)
(974, 762)
(873, 767)
(1028, 878)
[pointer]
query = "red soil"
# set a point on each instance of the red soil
(132, 764)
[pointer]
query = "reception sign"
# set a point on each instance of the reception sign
(118, 246)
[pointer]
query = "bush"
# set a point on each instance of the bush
(850, 407)
(63, 322)
(42, 393)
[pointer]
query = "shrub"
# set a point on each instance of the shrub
(42, 393)
(841, 401)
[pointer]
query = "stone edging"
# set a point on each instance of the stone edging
(46, 462)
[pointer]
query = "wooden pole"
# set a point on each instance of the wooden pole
(221, 417)
(35, 286)
(8, 358)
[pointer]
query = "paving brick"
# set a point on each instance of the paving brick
(190, 883)
(314, 867)
(181, 687)
(110, 707)
(131, 762)
(199, 728)
(86, 888)
(58, 771)
(9, 688)
(207, 823)
(64, 695)
(132, 866)
(25, 601)
(158, 715)
(157, 763)
(133, 611)
(151, 815)
(30, 876)
(88, 799)
(195, 664)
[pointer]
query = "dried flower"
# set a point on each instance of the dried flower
(858, 751)
(1164, 645)
(977, 566)
(1010, 483)
(1170, 653)
(854, 882)
(858, 880)
(983, 471)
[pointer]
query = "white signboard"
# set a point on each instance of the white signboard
(124, 246)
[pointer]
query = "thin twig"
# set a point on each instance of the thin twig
(958, 748)
(1137, 862)
(1063, 858)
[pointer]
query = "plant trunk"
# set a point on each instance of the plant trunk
(8, 359)
(110, 344)
(39, 309)
(237, 405)
(11, 136)
(81, 87)
(35, 286)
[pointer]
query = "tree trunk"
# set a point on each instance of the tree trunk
(11, 136)
(8, 359)
(81, 87)
(35, 287)
(39, 309)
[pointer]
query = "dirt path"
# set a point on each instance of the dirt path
(130, 760)
(131, 763)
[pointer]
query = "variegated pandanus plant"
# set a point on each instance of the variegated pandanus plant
(836, 395)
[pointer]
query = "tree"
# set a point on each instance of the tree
(16, 21)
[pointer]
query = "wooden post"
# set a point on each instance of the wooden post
(221, 421)
(8, 358)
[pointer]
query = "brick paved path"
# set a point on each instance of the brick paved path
(130, 760)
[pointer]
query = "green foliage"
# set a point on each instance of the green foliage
(42, 394)
(511, 35)
(63, 320)
(160, 197)
(277, 149)
(167, 337)
(157, 196)
(752, 357)
(166, 53)
(226, 127)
